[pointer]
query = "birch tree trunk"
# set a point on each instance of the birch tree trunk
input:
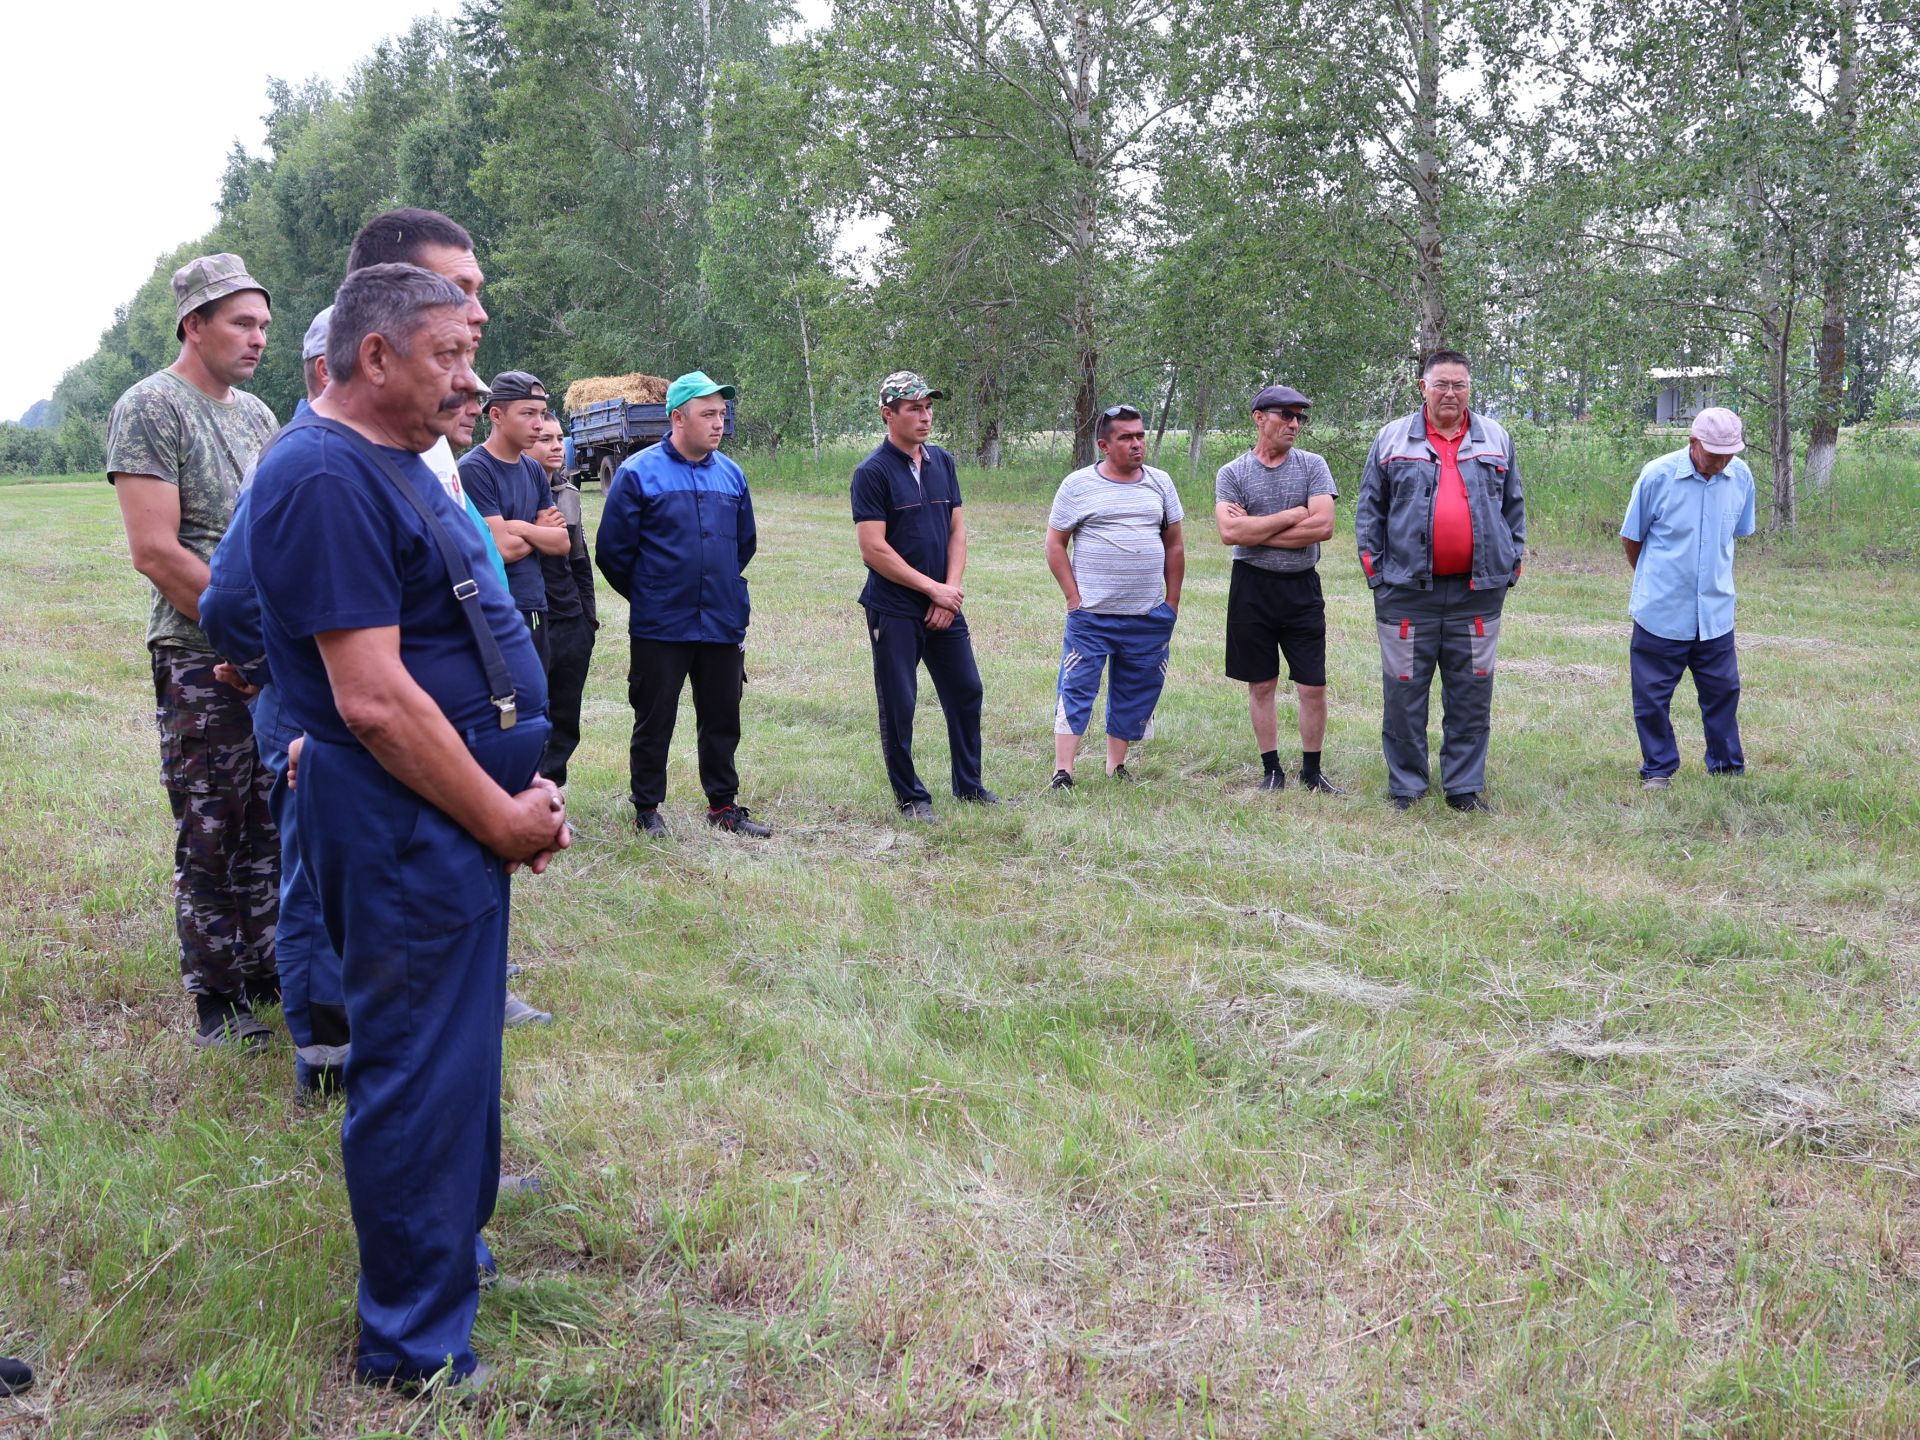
(1830, 351)
(1431, 313)
(1197, 437)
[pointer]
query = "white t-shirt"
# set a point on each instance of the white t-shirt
(1119, 557)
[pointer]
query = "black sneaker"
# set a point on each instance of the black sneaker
(263, 991)
(739, 821)
(1320, 784)
(1062, 780)
(1404, 802)
(1120, 772)
(16, 1377)
(982, 796)
(917, 810)
(225, 1021)
(1273, 780)
(1469, 802)
(648, 822)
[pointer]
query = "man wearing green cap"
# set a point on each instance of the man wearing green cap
(676, 533)
(178, 444)
(906, 511)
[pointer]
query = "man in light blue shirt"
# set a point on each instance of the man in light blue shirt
(1687, 510)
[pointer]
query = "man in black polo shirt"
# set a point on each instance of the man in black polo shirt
(509, 489)
(906, 511)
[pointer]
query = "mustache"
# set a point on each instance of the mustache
(455, 402)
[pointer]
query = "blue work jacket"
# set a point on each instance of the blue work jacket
(1393, 517)
(230, 616)
(675, 539)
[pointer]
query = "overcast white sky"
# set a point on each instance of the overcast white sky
(123, 115)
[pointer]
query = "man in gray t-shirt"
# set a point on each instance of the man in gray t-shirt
(1274, 505)
(1122, 585)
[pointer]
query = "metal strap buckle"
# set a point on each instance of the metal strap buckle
(466, 590)
(509, 711)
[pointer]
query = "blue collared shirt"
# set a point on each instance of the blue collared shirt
(1686, 525)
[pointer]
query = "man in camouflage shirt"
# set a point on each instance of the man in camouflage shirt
(177, 446)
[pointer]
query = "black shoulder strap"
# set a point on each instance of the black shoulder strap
(465, 589)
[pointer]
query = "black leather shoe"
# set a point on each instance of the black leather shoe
(1320, 784)
(648, 822)
(738, 820)
(982, 796)
(1469, 802)
(1120, 773)
(1273, 780)
(1404, 802)
(16, 1377)
(917, 810)
(1062, 780)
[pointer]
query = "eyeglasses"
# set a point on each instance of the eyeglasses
(1449, 387)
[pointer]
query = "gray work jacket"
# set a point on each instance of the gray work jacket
(1393, 518)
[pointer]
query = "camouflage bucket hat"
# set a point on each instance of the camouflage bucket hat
(211, 277)
(905, 385)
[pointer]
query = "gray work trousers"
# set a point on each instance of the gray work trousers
(1456, 630)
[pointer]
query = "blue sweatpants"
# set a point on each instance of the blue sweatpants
(1657, 666)
(1135, 648)
(310, 993)
(901, 643)
(417, 909)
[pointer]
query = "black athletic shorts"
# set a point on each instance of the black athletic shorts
(1270, 612)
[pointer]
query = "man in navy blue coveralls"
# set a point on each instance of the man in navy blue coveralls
(906, 512)
(417, 797)
(310, 996)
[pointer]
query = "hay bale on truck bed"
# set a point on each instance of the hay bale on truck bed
(635, 389)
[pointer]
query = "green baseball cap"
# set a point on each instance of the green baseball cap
(693, 385)
(905, 385)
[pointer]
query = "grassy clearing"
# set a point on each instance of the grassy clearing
(1171, 1110)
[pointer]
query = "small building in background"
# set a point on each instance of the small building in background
(1684, 392)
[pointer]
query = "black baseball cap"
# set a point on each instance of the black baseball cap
(511, 385)
(1275, 396)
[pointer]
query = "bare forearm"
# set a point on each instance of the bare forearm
(1061, 565)
(885, 561)
(177, 573)
(1308, 532)
(1632, 547)
(957, 557)
(407, 733)
(1176, 571)
(1270, 529)
(547, 539)
(510, 545)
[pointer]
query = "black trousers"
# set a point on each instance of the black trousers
(658, 671)
(900, 644)
(569, 654)
(537, 628)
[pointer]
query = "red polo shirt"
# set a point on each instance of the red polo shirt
(1452, 522)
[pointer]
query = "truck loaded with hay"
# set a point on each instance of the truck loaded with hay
(609, 417)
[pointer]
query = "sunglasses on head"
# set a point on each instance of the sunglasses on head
(1120, 412)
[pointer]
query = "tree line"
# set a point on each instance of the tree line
(1053, 205)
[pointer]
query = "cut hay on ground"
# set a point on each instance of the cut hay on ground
(635, 389)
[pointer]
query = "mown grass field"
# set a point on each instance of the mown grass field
(1172, 1110)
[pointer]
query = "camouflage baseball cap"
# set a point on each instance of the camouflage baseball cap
(211, 277)
(905, 385)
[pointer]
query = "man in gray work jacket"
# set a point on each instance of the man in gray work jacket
(1441, 526)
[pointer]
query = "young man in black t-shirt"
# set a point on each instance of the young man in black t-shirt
(509, 488)
(572, 616)
(906, 510)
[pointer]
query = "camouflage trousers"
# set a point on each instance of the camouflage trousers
(226, 851)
